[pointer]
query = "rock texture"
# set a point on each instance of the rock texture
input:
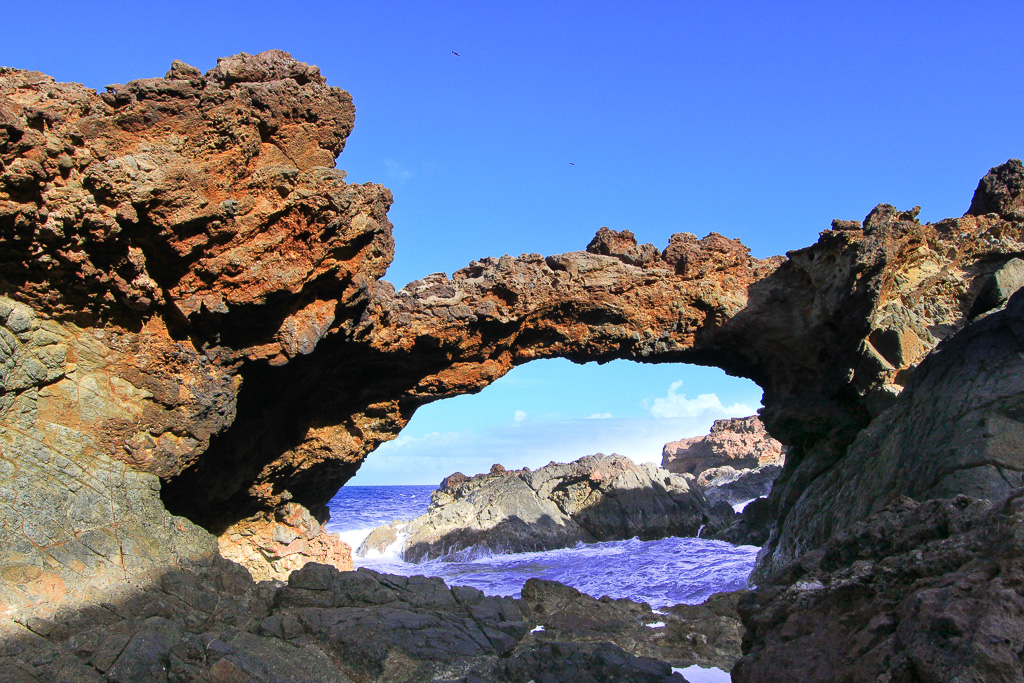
(167, 234)
(708, 634)
(916, 592)
(736, 462)
(738, 442)
(957, 428)
(212, 623)
(596, 498)
(192, 303)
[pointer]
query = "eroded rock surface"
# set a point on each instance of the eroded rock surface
(596, 498)
(737, 442)
(213, 623)
(192, 303)
(736, 462)
(916, 592)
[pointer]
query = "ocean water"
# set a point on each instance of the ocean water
(662, 573)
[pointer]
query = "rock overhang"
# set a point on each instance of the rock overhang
(195, 229)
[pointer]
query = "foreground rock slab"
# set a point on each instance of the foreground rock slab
(213, 623)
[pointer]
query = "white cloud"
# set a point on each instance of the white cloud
(599, 416)
(427, 440)
(397, 172)
(429, 458)
(519, 416)
(678, 405)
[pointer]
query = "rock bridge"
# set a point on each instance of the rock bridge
(193, 305)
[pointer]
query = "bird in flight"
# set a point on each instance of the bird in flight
(571, 164)
(456, 53)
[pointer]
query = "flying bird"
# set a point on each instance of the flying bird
(571, 164)
(456, 53)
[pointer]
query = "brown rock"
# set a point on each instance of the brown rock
(192, 303)
(739, 442)
(271, 549)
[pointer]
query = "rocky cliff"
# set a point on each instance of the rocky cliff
(196, 337)
(738, 442)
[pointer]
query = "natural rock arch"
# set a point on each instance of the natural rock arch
(214, 314)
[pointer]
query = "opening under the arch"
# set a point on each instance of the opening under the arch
(556, 410)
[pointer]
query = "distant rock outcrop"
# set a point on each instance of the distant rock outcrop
(736, 462)
(596, 498)
(738, 442)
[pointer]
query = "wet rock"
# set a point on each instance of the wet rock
(708, 634)
(596, 498)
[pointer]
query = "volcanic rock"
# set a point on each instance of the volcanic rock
(195, 335)
(917, 591)
(739, 442)
(708, 634)
(957, 429)
(595, 498)
(213, 623)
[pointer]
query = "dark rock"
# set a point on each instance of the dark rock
(1001, 191)
(750, 527)
(585, 663)
(955, 429)
(732, 486)
(917, 591)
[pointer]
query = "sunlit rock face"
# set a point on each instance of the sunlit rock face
(209, 288)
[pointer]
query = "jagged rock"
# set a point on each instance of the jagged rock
(165, 234)
(708, 634)
(272, 549)
(214, 623)
(729, 485)
(595, 498)
(752, 526)
(739, 442)
(197, 307)
(957, 428)
(917, 591)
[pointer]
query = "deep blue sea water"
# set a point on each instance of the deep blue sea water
(664, 572)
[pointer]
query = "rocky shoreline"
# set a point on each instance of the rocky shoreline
(596, 498)
(197, 351)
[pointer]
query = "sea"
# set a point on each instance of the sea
(661, 573)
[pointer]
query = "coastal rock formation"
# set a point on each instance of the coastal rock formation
(736, 462)
(213, 623)
(916, 592)
(196, 337)
(708, 634)
(596, 498)
(738, 442)
(167, 234)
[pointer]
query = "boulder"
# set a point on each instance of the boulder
(595, 498)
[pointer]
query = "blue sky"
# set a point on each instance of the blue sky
(762, 121)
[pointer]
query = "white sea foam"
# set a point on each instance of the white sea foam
(697, 674)
(661, 573)
(354, 537)
(738, 507)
